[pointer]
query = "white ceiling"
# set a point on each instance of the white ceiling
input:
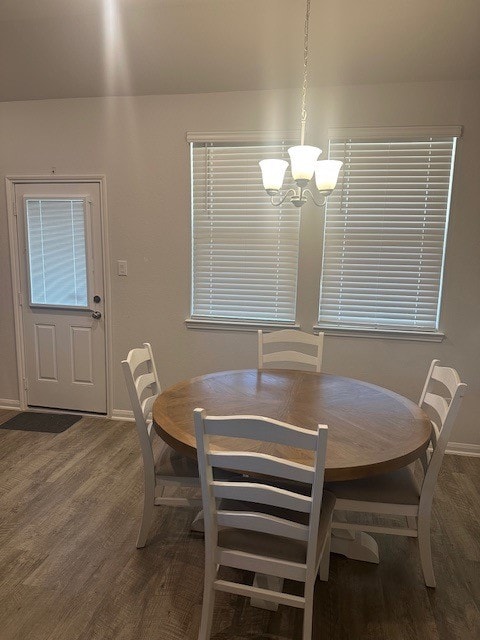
(79, 48)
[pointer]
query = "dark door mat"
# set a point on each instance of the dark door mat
(41, 422)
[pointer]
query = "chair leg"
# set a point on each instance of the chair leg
(308, 612)
(207, 609)
(425, 548)
(147, 515)
(324, 567)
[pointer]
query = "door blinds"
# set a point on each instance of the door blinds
(244, 251)
(385, 231)
(57, 252)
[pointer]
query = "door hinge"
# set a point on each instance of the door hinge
(14, 208)
(25, 384)
(20, 299)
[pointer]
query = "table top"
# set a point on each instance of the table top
(371, 430)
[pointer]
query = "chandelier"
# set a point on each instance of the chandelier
(303, 158)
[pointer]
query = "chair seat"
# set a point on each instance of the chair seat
(170, 464)
(396, 487)
(265, 544)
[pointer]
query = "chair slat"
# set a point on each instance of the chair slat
(144, 381)
(448, 377)
(435, 434)
(290, 335)
(290, 356)
(261, 564)
(264, 523)
(266, 494)
(250, 462)
(396, 531)
(262, 594)
(438, 403)
(147, 406)
(136, 357)
(258, 428)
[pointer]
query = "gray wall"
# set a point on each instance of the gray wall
(139, 143)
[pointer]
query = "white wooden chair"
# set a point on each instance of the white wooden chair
(257, 526)
(168, 468)
(291, 356)
(398, 493)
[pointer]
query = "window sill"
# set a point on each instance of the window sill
(389, 334)
(236, 325)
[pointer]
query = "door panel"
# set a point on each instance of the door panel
(45, 352)
(60, 233)
(82, 355)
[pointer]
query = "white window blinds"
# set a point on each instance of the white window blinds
(244, 250)
(57, 252)
(385, 231)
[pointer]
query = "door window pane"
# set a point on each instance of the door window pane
(57, 252)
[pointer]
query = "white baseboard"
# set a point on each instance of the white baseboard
(463, 449)
(9, 404)
(122, 414)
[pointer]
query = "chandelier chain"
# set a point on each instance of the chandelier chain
(305, 69)
(303, 158)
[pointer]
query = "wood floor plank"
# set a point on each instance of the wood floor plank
(71, 504)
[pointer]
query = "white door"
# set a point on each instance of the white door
(62, 298)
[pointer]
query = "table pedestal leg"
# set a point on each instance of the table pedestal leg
(360, 547)
(198, 524)
(355, 545)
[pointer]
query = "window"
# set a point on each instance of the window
(244, 251)
(385, 229)
(56, 252)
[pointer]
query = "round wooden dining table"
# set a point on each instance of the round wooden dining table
(371, 430)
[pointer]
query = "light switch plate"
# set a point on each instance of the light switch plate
(122, 267)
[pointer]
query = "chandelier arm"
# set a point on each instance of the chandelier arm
(318, 204)
(282, 200)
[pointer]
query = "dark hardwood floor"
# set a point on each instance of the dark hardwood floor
(70, 506)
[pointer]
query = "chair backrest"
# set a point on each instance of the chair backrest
(293, 355)
(443, 392)
(262, 492)
(143, 387)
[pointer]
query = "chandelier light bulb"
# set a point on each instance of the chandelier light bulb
(326, 175)
(302, 159)
(273, 173)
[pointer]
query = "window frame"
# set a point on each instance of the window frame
(382, 134)
(240, 138)
(88, 252)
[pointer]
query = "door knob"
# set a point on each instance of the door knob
(96, 315)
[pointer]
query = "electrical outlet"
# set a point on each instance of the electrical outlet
(122, 267)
